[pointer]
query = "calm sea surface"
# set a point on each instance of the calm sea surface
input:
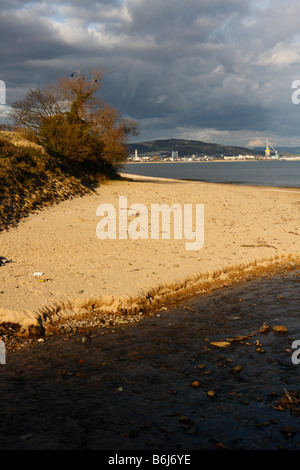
(279, 173)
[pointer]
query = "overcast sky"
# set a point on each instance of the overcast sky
(213, 70)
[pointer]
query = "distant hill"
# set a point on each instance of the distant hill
(188, 147)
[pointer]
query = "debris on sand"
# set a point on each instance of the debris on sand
(289, 401)
(4, 260)
(263, 329)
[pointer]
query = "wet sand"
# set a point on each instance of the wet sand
(247, 230)
(141, 380)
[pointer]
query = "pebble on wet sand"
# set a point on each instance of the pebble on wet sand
(220, 344)
(195, 384)
(236, 369)
(279, 329)
(211, 393)
(288, 430)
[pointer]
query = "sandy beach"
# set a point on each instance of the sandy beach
(247, 230)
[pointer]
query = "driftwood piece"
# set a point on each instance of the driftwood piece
(288, 396)
(263, 329)
(190, 309)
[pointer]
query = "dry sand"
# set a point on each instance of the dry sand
(246, 228)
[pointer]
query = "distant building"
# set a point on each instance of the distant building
(174, 155)
(240, 157)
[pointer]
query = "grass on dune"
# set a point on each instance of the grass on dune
(31, 178)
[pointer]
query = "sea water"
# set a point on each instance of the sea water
(279, 173)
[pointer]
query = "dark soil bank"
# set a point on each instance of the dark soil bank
(158, 384)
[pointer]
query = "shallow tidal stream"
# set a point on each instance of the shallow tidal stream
(144, 385)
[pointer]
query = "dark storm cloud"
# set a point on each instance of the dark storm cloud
(218, 69)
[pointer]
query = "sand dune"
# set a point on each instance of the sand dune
(247, 229)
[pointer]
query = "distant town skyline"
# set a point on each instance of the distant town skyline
(211, 70)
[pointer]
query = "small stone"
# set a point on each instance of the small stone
(220, 445)
(279, 329)
(38, 274)
(184, 419)
(195, 384)
(236, 369)
(289, 430)
(211, 393)
(244, 402)
(220, 344)
(202, 366)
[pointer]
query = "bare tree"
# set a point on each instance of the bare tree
(68, 118)
(37, 105)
